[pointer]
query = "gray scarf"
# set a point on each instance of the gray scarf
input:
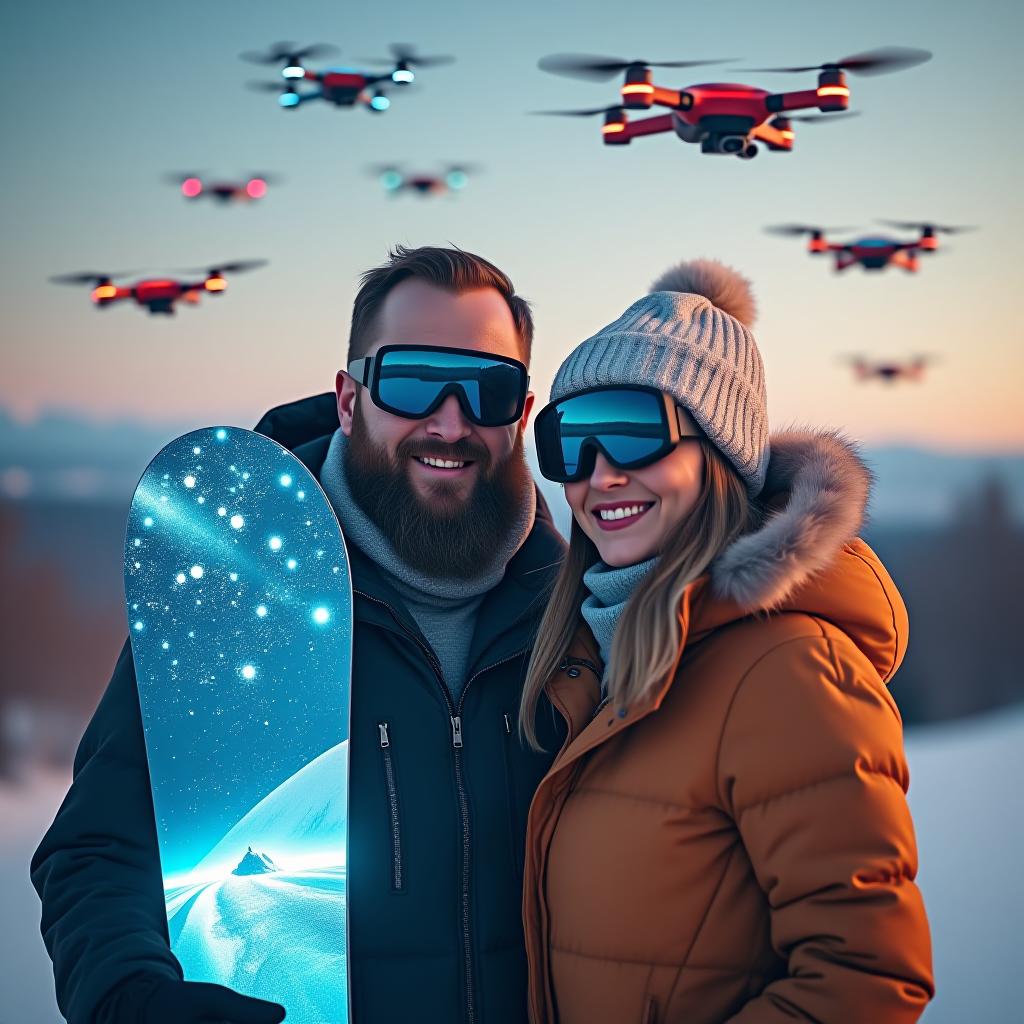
(444, 608)
(610, 589)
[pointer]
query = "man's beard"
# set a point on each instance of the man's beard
(450, 534)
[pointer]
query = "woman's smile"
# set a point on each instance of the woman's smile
(619, 515)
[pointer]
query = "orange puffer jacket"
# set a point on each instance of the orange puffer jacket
(738, 847)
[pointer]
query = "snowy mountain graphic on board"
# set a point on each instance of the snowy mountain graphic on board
(254, 863)
(302, 819)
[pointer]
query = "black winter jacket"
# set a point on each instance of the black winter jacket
(435, 901)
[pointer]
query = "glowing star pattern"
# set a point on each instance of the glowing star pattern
(240, 604)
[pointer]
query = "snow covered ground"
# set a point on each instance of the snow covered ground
(966, 780)
(274, 936)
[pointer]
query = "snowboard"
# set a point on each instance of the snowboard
(239, 604)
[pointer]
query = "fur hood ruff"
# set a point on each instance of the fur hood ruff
(817, 492)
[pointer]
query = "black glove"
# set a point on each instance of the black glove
(147, 999)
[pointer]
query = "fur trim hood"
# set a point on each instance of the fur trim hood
(817, 491)
(806, 556)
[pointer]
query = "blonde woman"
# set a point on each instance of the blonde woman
(724, 835)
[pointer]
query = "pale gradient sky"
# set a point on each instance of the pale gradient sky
(102, 100)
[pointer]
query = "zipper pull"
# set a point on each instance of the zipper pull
(384, 741)
(508, 725)
(457, 732)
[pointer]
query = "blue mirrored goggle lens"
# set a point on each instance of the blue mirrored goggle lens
(628, 424)
(411, 382)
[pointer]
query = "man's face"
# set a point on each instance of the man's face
(415, 312)
(443, 520)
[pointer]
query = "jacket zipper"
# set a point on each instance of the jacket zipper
(466, 849)
(517, 852)
(397, 882)
(455, 715)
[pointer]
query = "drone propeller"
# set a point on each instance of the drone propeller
(589, 112)
(278, 87)
(839, 115)
(90, 276)
(792, 230)
(236, 267)
(598, 68)
(288, 52)
(404, 53)
(177, 177)
(872, 62)
(922, 226)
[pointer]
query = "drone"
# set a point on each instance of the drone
(722, 117)
(158, 295)
(344, 87)
(890, 372)
(396, 181)
(192, 186)
(874, 252)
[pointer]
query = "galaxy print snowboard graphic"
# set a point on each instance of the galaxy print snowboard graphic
(240, 614)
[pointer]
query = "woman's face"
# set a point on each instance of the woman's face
(652, 500)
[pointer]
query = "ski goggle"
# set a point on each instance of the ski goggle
(413, 380)
(631, 426)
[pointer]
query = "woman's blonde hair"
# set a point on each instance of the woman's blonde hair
(648, 635)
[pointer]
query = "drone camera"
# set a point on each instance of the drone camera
(833, 92)
(734, 145)
(638, 90)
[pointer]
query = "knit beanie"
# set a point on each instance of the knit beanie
(689, 337)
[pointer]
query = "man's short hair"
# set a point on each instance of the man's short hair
(452, 269)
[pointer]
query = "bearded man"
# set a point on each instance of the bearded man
(420, 452)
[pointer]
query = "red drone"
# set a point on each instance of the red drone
(344, 87)
(245, 190)
(874, 252)
(890, 372)
(158, 295)
(722, 117)
(395, 180)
